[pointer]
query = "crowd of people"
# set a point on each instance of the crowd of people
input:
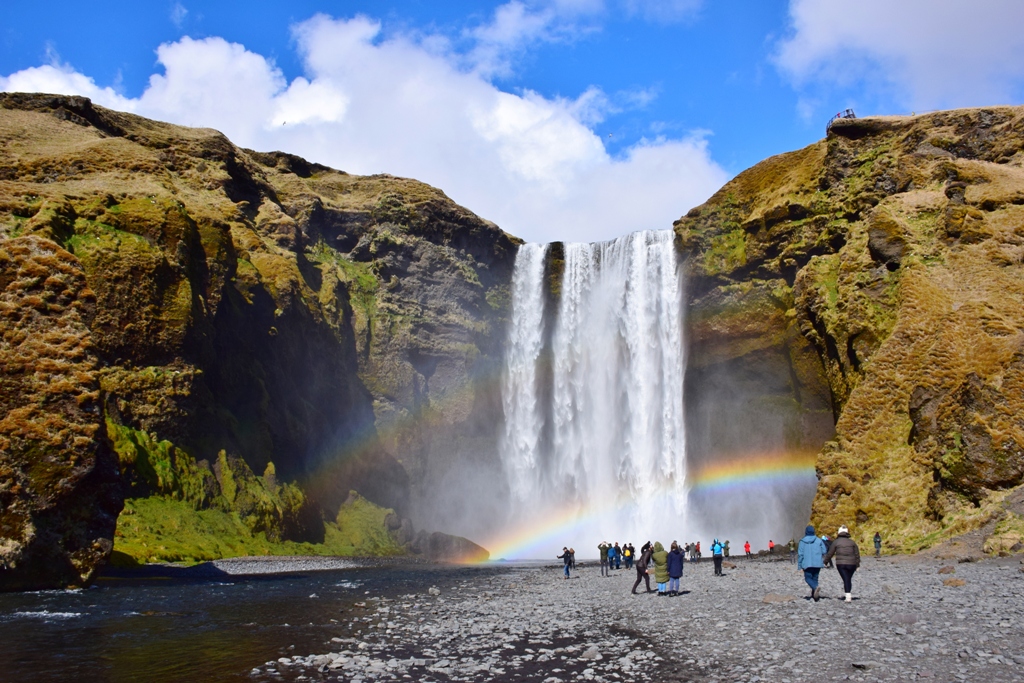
(811, 554)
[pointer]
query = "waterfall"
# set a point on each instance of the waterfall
(593, 392)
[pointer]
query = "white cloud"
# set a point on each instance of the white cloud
(375, 104)
(178, 14)
(924, 54)
(51, 78)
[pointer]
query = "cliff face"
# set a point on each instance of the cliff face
(230, 322)
(887, 261)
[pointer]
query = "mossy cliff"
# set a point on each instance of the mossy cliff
(881, 269)
(206, 313)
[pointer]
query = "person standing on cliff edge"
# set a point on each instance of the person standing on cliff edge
(810, 552)
(878, 544)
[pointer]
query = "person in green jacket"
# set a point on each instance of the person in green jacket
(660, 558)
(602, 550)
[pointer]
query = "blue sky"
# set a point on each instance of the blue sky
(558, 119)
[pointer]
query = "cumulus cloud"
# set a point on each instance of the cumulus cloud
(927, 54)
(370, 103)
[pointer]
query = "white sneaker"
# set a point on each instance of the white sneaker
(849, 598)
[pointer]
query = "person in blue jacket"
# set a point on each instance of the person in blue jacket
(611, 557)
(676, 560)
(810, 552)
(717, 549)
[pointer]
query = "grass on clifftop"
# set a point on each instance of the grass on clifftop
(162, 529)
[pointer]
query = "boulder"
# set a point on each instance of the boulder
(441, 547)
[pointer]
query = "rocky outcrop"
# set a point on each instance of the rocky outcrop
(339, 329)
(893, 251)
(59, 486)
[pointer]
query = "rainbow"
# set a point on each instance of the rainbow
(732, 472)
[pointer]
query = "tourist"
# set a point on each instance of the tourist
(611, 557)
(878, 544)
(627, 552)
(572, 559)
(847, 556)
(660, 558)
(809, 558)
(676, 560)
(697, 551)
(602, 554)
(566, 559)
(746, 549)
(641, 567)
(726, 547)
(792, 550)
(618, 556)
(771, 546)
(716, 554)
(828, 544)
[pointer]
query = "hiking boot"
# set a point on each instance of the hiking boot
(816, 594)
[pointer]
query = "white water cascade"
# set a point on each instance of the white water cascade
(594, 446)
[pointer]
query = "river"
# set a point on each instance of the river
(176, 626)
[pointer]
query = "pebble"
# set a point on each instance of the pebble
(525, 623)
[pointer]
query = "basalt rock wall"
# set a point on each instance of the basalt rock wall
(182, 303)
(876, 277)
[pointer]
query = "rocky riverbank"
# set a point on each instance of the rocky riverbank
(911, 618)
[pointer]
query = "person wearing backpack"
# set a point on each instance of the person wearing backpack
(717, 551)
(627, 552)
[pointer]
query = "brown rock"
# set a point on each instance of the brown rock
(776, 598)
(947, 570)
(903, 271)
(59, 486)
(954, 582)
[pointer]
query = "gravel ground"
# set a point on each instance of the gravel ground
(270, 564)
(754, 624)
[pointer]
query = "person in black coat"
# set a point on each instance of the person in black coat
(641, 567)
(566, 558)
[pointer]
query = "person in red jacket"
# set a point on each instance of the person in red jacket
(771, 546)
(746, 548)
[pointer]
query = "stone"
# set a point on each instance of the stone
(776, 598)
(954, 582)
(947, 570)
